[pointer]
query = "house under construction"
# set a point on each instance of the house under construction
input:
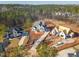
(59, 37)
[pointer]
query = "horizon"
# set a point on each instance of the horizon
(41, 2)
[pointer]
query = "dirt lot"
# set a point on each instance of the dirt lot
(72, 26)
(68, 24)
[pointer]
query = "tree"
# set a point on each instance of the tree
(45, 51)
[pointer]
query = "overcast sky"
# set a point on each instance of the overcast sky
(39, 2)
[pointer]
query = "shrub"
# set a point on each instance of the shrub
(45, 51)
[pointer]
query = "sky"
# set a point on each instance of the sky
(39, 2)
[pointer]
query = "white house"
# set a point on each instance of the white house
(55, 31)
(62, 35)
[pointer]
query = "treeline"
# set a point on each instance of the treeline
(12, 15)
(18, 14)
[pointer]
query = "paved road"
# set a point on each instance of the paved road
(32, 51)
(39, 40)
